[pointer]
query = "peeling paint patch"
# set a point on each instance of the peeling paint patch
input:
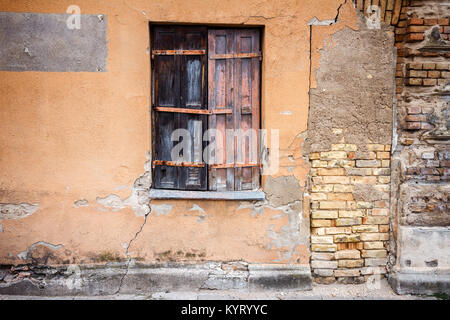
(81, 203)
(17, 211)
(202, 214)
(161, 209)
(138, 201)
(27, 253)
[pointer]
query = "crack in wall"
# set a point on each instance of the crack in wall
(129, 259)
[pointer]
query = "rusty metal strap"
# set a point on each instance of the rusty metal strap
(235, 55)
(177, 164)
(177, 53)
(194, 111)
(234, 165)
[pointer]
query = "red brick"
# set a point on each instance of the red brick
(412, 125)
(414, 37)
(434, 74)
(414, 110)
(430, 22)
(416, 118)
(419, 29)
(415, 21)
(414, 81)
(443, 21)
(429, 82)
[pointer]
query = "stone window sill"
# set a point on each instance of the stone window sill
(207, 195)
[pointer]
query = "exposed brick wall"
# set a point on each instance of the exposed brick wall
(421, 159)
(349, 238)
(422, 70)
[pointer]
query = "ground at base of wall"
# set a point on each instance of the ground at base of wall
(318, 292)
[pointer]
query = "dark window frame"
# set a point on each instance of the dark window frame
(207, 193)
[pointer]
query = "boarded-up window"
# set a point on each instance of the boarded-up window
(206, 79)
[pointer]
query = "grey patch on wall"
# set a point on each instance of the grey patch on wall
(161, 209)
(282, 190)
(81, 203)
(353, 100)
(43, 42)
(17, 211)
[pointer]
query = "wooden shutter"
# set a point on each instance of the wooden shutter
(234, 83)
(179, 99)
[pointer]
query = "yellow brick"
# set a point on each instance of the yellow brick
(350, 214)
(336, 180)
(347, 273)
(385, 163)
(373, 270)
(368, 163)
(376, 220)
(320, 223)
(333, 155)
(340, 196)
(332, 205)
(324, 214)
(365, 228)
(375, 147)
(322, 188)
(330, 172)
(373, 253)
(347, 254)
(351, 263)
(343, 188)
(384, 179)
(374, 245)
(318, 196)
(314, 156)
(381, 171)
(347, 238)
(322, 239)
(338, 230)
(383, 155)
(372, 236)
(341, 163)
(322, 256)
(363, 180)
(343, 147)
(364, 205)
(317, 180)
(380, 212)
(319, 164)
(387, 147)
(323, 247)
(348, 222)
(384, 236)
(318, 231)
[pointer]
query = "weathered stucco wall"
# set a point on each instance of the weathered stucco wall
(75, 146)
(348, 144)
